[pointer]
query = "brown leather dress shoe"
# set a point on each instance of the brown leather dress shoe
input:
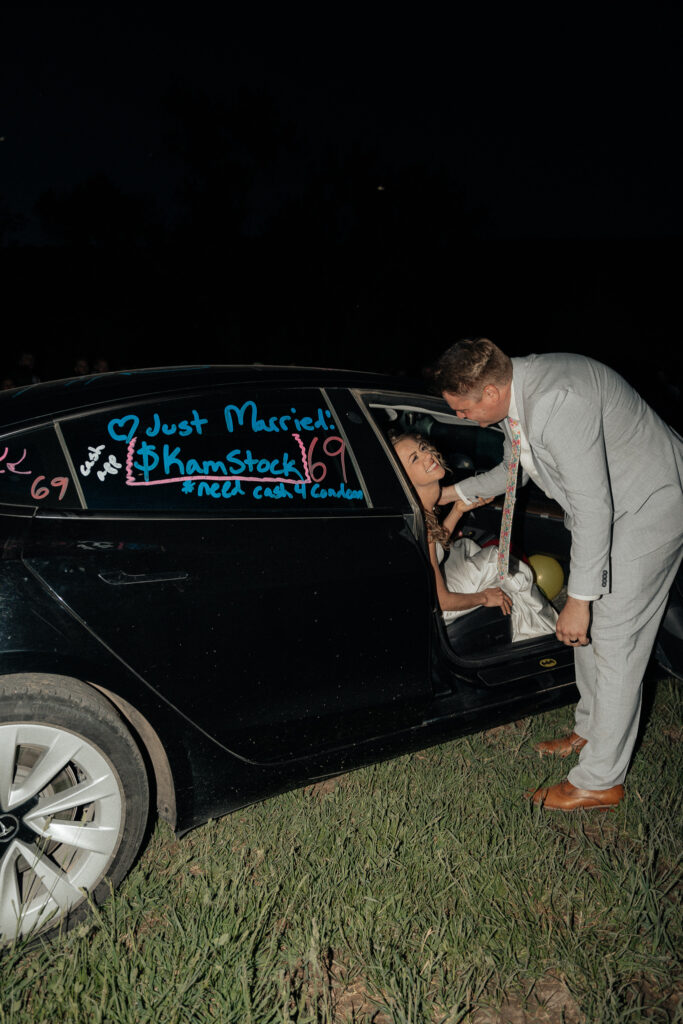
(563, 746)
(565, 797)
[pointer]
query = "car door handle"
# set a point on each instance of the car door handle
(122, 579)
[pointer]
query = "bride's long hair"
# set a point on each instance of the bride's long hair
(435, 531)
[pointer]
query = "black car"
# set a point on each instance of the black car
(214, 587)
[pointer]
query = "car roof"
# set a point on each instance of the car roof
(24, 405)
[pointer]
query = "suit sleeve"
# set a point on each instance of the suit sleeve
(487, 485)
(572, 437)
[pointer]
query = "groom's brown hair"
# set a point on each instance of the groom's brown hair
(470, 365)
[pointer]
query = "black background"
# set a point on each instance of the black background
(340, 188)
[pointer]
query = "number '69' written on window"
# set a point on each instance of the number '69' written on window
(33, 471)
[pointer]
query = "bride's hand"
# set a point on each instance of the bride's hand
(495, 597)
(448, 495)
(461, 506)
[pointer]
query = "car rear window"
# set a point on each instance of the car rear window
(34, 471)
(220, 451)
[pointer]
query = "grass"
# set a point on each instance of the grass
(425, 890)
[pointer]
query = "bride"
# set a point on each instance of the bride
(464, 572)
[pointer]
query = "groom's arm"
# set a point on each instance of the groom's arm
(483, 485)
(572, 435)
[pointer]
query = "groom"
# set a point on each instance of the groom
(590, 442)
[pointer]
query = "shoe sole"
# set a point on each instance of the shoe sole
(570, 810)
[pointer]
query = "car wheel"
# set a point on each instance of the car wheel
(74, 802)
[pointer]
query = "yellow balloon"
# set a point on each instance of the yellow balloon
(548, 573)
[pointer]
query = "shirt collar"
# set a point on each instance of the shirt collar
(512, 411)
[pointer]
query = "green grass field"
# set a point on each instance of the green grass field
(422, 890)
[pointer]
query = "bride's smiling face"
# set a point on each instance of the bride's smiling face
(419, 461)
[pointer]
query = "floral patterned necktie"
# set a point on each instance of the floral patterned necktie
(510, 494)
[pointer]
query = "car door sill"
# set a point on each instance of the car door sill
(544, 646)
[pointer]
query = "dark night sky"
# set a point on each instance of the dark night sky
(558, 132)
(559, 126)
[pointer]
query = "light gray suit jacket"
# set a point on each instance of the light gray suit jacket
(603, 454)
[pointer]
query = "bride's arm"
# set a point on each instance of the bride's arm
(458, 510)
(450, 602)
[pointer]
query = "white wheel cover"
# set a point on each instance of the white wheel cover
(75, 808)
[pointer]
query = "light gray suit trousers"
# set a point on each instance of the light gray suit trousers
(616, 470)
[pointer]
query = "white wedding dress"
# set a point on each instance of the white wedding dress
(469, 569)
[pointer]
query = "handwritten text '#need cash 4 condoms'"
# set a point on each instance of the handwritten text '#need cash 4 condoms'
(148, 464)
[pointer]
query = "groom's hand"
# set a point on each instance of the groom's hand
(573, 622)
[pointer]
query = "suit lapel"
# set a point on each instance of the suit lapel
(543, 464)
(519, 379)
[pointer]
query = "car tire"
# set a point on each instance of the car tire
(74, 802)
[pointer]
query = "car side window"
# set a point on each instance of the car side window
(34, 471)
(238, 449)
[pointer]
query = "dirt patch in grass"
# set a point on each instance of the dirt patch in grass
(321, 789)
(333, 992)
(655, 1003)
(351, 1003)
(548, 1001)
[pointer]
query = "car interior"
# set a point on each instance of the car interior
(483, 634)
